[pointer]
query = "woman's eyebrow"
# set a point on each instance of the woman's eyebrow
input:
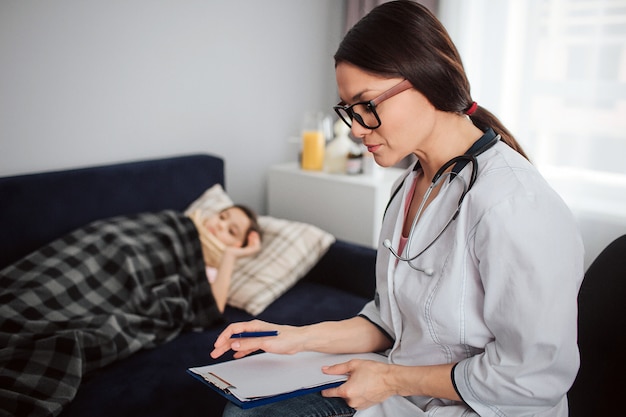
(358, 96)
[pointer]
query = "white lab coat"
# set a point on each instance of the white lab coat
(501, 301)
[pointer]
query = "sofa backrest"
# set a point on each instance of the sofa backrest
(37, 208)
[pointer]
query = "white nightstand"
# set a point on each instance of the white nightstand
(348, 206)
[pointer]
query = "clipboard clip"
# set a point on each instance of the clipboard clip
(218, 382)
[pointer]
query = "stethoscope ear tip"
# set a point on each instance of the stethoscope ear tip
(387, 243)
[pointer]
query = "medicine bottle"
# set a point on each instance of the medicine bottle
(354, 163)
(338, 149)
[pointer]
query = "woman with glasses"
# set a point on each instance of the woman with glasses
(479, 262)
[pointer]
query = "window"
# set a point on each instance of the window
(554, 71)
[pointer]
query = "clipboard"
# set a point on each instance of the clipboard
(265, 378)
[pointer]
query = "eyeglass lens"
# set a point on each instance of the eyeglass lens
(364, 113)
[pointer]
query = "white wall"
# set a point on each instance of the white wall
(88, 82)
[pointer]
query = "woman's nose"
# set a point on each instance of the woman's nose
(359, 131)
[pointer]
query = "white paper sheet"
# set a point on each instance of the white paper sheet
(269, 374)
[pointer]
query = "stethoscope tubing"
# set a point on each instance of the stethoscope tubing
(409, 259)
(437, 178)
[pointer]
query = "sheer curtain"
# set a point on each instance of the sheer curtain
(554, 71)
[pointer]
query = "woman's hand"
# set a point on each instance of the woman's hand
(288, 340)
(371, 382)
(351, 335)
(221, 285)
(367, 383)
(252, 248)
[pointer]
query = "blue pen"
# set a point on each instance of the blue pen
(254, 334)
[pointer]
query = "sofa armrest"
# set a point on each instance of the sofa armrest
(348, 267)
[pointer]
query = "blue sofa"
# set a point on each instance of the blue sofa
(37, 208)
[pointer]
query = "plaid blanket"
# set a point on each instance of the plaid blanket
(92, 297)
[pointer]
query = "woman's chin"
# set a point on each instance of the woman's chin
(385, 162)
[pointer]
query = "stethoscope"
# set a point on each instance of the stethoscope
(462, 160)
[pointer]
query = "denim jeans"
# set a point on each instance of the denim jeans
(310, 405)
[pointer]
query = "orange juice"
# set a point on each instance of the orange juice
(313, 143)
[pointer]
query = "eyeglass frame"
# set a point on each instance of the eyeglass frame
(371, 105)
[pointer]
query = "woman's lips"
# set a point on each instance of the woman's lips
(372, 148)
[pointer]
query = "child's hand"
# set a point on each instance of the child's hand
(253, 247)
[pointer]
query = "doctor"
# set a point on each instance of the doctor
(479, 262)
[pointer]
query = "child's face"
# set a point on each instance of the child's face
(229, 226)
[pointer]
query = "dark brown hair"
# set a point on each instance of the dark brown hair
(254, 222)
(404, 39)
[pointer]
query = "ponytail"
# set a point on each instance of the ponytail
(484, 119)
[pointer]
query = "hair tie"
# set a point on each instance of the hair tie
(472, 108)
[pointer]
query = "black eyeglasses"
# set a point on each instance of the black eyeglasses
(364, 112)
